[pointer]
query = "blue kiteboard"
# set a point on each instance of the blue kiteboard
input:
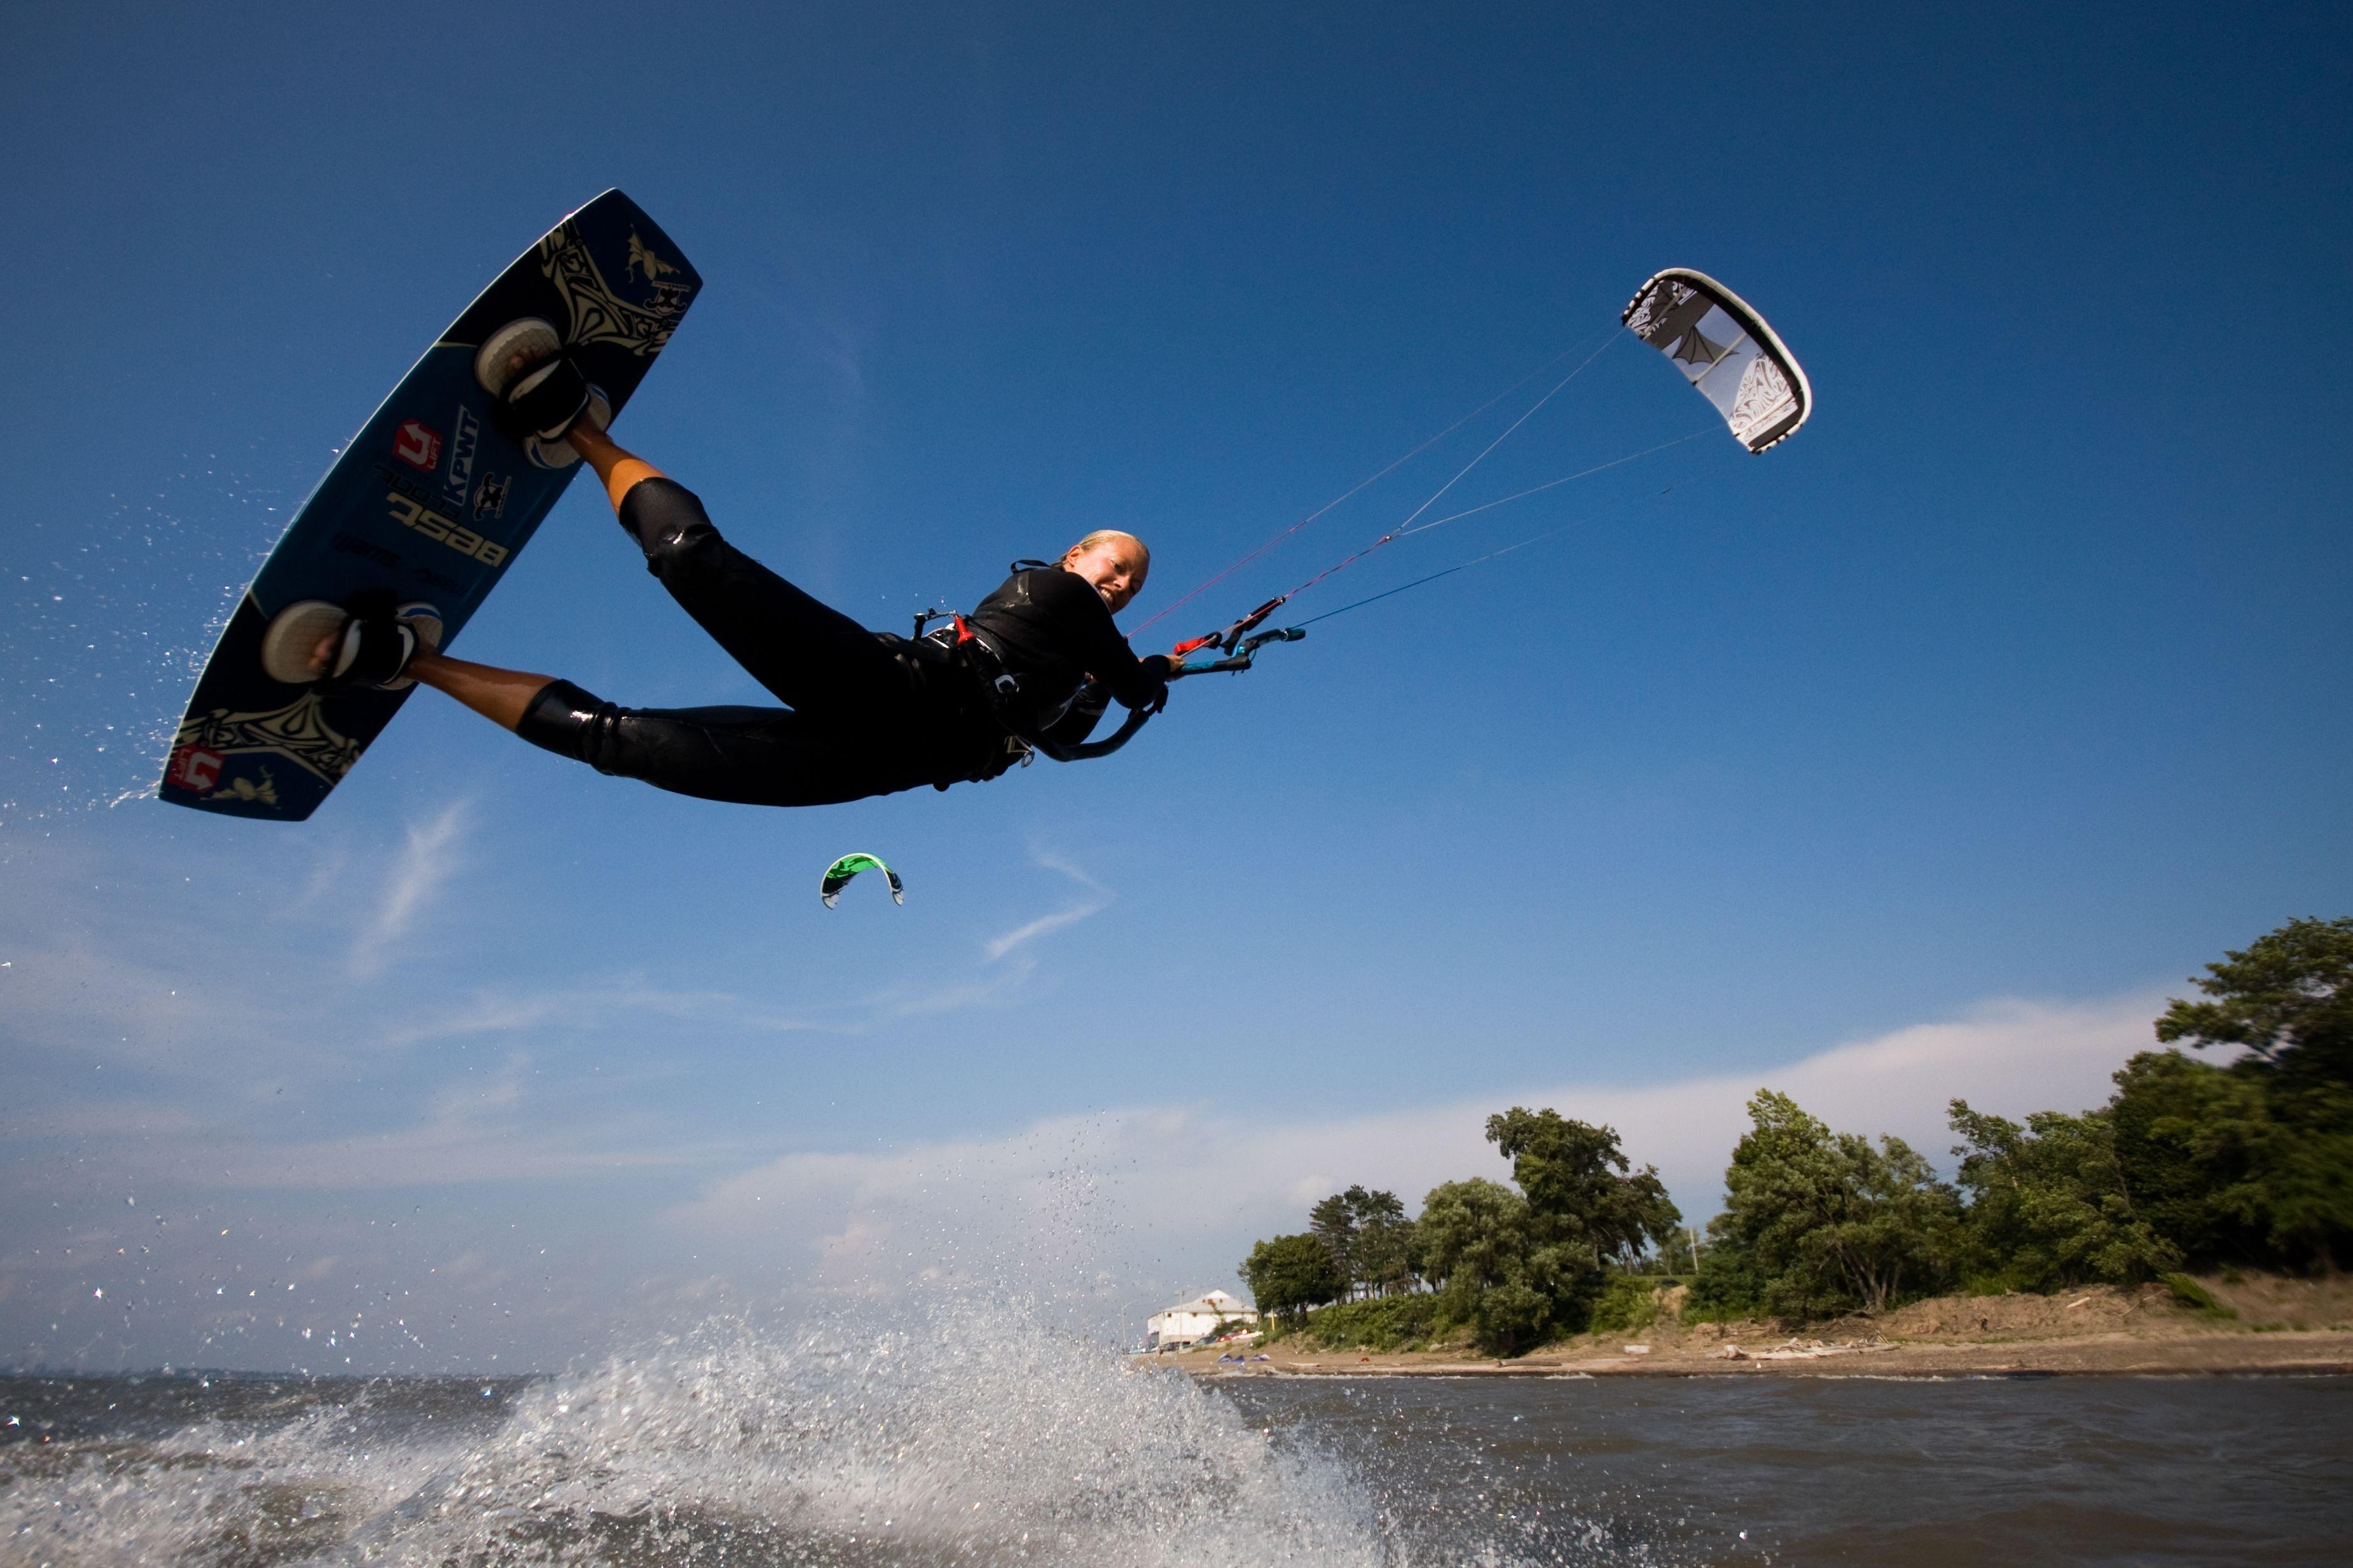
(428, 504)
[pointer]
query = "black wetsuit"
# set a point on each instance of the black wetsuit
(869, 713)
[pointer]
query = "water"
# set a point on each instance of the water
(1842, 1470)
(979, 1438)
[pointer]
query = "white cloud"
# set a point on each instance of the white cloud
(1170, 1194)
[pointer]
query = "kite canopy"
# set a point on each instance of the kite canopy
(838, 876)
(1725, 349)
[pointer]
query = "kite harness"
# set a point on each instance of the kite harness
(964, 646)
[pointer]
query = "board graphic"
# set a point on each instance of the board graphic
(428, 503)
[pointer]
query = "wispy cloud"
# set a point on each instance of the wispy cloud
(1006, 962)
(445, 1152)
(425, 867)
(1019, 935)
(495, 1129)
(493, 1010)
(1099, 898)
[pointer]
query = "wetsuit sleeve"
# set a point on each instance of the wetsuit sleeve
(1092, 638)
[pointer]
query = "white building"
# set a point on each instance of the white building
(1196, 1321)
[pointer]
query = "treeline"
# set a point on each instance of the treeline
(2188, 1166)
(1513, 1265)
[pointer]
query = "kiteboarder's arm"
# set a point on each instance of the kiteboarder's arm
(1085, 712)
(1093, 640)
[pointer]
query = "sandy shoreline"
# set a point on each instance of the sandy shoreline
(2283, 1327)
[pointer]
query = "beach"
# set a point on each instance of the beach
(2281, 1327)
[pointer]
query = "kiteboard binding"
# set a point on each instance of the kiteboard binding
(367, 644)
(538, 391)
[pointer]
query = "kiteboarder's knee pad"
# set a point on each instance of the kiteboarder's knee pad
(668, 521)
(565, 720)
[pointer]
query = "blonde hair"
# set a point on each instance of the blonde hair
(1103, 535)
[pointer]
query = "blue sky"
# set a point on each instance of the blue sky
(1947, 738)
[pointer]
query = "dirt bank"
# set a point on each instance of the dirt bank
(2283, 1326)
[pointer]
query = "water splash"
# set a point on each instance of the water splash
(958, 1431)
(107, 618)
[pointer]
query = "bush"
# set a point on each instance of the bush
(2189, 1293)
(1730, 1285)
(1508, 1320)
(1628, 1302)
(1382, 1324)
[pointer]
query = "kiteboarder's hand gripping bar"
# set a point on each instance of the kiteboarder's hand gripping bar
(1241, 658)
(1230, 639)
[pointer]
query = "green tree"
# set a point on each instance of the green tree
(2287, 1000)
(2193, 1144)
(1473, 1234)
(2049, 1208)
(1728, 1281)
(1475, 1243)
(2232, 1166)
(1578, 1188)
(1586, 1208)
(1823, 1221)
(1510, 1318)
(1519, 1265)
(1291, 1273)
(1368, 1238)
(1333, 1222)
(1383, 1254)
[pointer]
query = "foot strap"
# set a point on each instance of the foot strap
(374, 651)
(543, 401)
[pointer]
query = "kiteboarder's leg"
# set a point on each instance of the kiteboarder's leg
(618, 471)
(501, 696)
(810, 655)
(752, 757)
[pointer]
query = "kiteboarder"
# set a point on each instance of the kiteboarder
(1033, 668)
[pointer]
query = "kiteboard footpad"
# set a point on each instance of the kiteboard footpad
(513, 349)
